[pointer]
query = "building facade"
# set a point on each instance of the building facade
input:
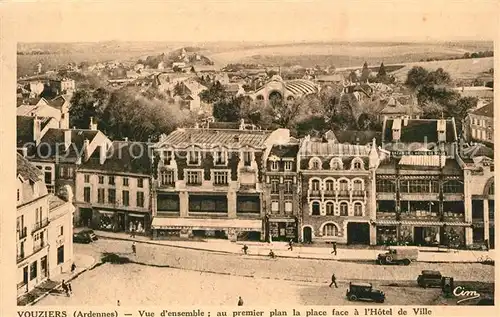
(479, 125)
(44, 229)
(208, 183)
(278, 90)
(281, 193)
(337, 191)
(113, 190)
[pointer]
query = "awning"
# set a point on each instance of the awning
(281, 220)
(206, 224)
(105, 212)
(137, 215)
(421, 223)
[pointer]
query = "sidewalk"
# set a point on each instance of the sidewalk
(82, 262)
(302, 252)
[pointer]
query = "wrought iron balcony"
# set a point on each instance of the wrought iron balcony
(21, 256)
(38, 247)
(23, 233)
(40, 225)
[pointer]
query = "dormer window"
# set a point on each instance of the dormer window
(274, 165)
(288, 166)
(247, 158)
(167, 156)
(315, 163)
(220, 158)
(357, 164)
(193, 158)
(336, 164)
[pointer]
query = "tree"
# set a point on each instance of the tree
(365, 73)
(417, 77)
(232, 109)
(86, 104)
(381, 71)
(438, 77)
(214, 93)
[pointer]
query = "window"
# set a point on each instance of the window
(18, 195)
(70, 172)
(315, 185)
(288, 207)
(330, 230)
(193, 158)
(288, 187)
(111, 180)
(489, 136)
(220, 178)
(288, 166)
(275, 206)
(167, 177)
(274, 186)
(329, 184)
(140, 199)
(344, 208)
(434, 187)
(343, 186)
(167, 157)
(43, 266)
(247, 158)
(315, 164)
(61, 231)
(48, 178)
(33, 270)
(62, 172)
(193, 177)
(357, 165)
(358, 209)
(125, 181)
(336, 164)
(140, 182)
(125, 198)
(316, 209)
(86, 178)
(60, 255)
(100, 195)
(419, 186)
(101, 179)
(111, 195)
(329, 208)
(86, 194)
(357, 186)
(220, 158)
(275, 165)
(248, 204)
(199, 203)
(491, 190)
(453, 186)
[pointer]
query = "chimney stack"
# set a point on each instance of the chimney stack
(102, 154)
(86, 150)
(67, 139)
(93, 125)
(37, 130)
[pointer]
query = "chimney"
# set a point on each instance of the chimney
(86, 150)
(396, 129)
(441, 130)
(93, 125)
(236, 138)
(102, 154)
(37, 130)
(67, 139)
(405, 121)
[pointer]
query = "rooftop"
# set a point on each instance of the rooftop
(55, 202)
(55, 138)
(419, 130)
(285, 150)
(313, 148)
(486, 111)
(27, 170)
(25, 128)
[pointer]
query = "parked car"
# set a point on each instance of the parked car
(81, 238)
(90, 233)
(357, 291)
(398, 255)
(429, 278)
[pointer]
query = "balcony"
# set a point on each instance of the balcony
(314, 193)
(23, 233)
(21, 284)
(420, 215)
(358, 194)
(329, 193)
(386, 215)
(21, 256)
(454, 217)
(38, 247)
(40, 225)
(343, 193)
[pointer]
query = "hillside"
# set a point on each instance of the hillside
(464, 69)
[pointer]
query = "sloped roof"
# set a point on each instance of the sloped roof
(420, 130)
(486, 111)
(224, 125)
(477, 150)
(358, 137)
(54, 138)
(285, 150)
(123, 157)
(58, 102)
(423, 160)
(214, 137)
(313, 148)
(27, 170)
(25, 128)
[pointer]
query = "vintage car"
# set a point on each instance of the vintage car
(429, 278)
(398, 255)
(363, 291)
(85, 236)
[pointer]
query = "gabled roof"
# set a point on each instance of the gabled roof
(25, 128)
(55, 138)
(419, 130)
(27, 170)
(358, 137)
(123, 157)
(58, 102)
(183, 138)
(477, 150)
(285, 150)
(486, 111)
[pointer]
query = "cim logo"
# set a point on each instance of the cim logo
(465, 294)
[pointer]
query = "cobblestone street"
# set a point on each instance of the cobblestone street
(197, 277)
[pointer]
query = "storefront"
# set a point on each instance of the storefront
(282, 229)
(387, 235)
(120, 221)
(232, 229)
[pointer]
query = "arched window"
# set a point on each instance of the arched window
(330, 230)
(344, 208)
(358, 209)
(329, 185)
(491, 191)
(357, 164)
(343, 186)
(315, 163)
(315, 208)
(315, 184)
(329, 208)
(357, 186)
(336, 164)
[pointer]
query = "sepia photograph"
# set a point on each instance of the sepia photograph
(255, 153)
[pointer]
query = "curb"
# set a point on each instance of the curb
(300, 257)
(39, 298)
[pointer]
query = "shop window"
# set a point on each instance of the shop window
(168, 203)
(140, 199)
(207, 203)
(330, 230)
(344, 209)
(316, 208)
(86, 194)
(329, 208)
(248, 204)
(60, 255)
(125, 198)
(33, 270)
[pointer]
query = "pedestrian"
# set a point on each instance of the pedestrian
(240, 301)
(271, 254)
(334, 245)
(133, 248)
(290, 245)
(334, 281)
(65, 287)
(73, 267)
(118, 302)
(70, 289)
(132, 232)
(245, 248)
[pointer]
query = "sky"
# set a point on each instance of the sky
(251, 21)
